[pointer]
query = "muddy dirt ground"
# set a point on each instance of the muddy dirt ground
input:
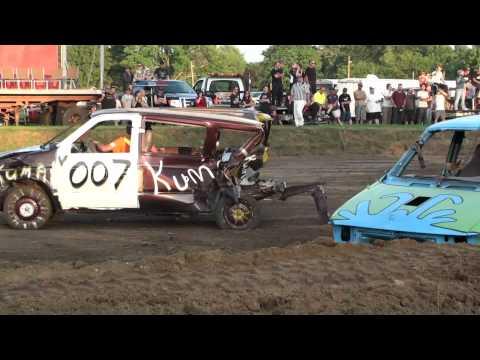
(109, 263)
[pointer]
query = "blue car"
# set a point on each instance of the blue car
(177, 92)
(431, 194)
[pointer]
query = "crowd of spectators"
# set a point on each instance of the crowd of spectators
(423, 105)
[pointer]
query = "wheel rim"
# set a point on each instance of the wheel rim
(26, 208)
(239, 214)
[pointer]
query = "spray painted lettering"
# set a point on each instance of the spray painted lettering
(192, 175)
(23, 172)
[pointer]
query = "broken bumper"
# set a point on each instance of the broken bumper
(272, 188)
(358, 235)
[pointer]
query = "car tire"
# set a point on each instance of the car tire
(245, 215)
(27, 207)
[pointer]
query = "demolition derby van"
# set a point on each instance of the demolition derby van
(431, 194)
(116, 161)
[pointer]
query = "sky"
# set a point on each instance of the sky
(252, 53)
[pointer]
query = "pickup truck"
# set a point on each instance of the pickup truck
(220, 86)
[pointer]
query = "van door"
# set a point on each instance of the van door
(83, 177)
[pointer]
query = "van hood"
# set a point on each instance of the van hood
(25, 150)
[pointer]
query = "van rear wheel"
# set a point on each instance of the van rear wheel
(27, 207)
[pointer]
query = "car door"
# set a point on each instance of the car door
(171, 174)
(97, 180)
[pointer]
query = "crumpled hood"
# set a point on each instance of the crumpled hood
(30, 149)
(433, 210)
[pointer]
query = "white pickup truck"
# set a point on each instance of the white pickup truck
(220, 86)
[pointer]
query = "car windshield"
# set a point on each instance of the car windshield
(61, 135)
(448, 154)
(178, 87)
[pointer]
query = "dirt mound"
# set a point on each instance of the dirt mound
(316, 277)
(396, 149)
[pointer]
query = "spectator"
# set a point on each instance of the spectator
(235, 98)
(247, 101)
(360, 104)
(141, 100)
(423, 97)
(139, 72)
(470, 96)
(423, 79)
(265, 101)
(159, 98)
(108, 100)
(319, 102)
(299, 97)
(277, 84)
(398, 102)
(410, 108)
(200, 101)
(439, 103)
(374, 108)
(118, 102)
(387, 105)
(293, 74)
(438, 79)
(127, 98)
(345, 101)
(311, 73)
(127, 78)
(334, 106)
(460, 89)
(162, 72)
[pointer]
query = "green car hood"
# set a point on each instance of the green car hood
(434, 210)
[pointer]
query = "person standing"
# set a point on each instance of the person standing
(293, 74)
(360, 104)
(311, 73)
(265, 101)
(277, 84)
(141, 100)
(398, 102)
(299, 97)
(439, 103)
(374, 109)
(127, 98)
(200, 101)
(387, 105)
(437, 79)
(410, 108)
(127, 78)
(461, 81)
(109, 100)
(334, 106)
(345, 101)
(235, 98)
(423, 97)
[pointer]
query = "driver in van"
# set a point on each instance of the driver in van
(120, 145)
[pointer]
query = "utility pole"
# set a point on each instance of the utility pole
(348, 67)
(191, 71)
(63, 62)
(102, 64)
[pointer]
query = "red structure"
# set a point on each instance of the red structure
(30, 56)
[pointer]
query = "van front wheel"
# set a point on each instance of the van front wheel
(27, 207)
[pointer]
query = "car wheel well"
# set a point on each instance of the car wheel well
(43, 186)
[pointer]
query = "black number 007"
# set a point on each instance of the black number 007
(82, 182)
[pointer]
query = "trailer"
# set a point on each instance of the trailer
(46, 107)
(37, 86)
